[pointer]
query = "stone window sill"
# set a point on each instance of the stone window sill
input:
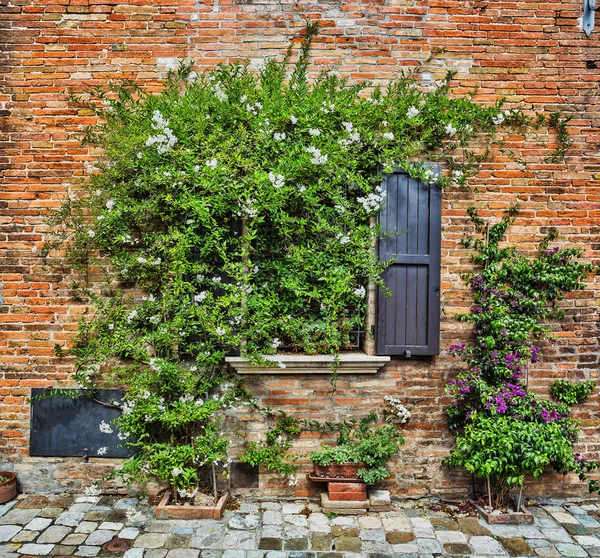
(349, 363)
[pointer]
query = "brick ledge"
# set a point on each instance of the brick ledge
(349, 363)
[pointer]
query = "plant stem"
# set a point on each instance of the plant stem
(489, 492)
(519, 499)
(214, 480)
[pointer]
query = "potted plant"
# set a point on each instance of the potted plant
(8, 486)
(362, 451)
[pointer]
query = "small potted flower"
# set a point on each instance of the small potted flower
(362, 451)
(8, 486)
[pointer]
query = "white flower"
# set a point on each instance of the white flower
(354, 137)
(412, 112)
(106, 428)
(348, 126)
(212, 163)
(293, 119)
(159, 122)
(101, 217)
(176, 471)
(154, 364)
(111, 326)
(139, 154)
(279, 136)
(292, 480)
(457, 176)
(243, 98)
(220, 331)
(278, 180)
(142, 260)
(182, 492)
(122, 436)
(388, 135)
(276, 343)
(127, 407)
(132, 316)
(110, 204)
(430, 175)
(200, 296)
(102, 451)
(216, 279)
(314, 132)
(219, 93)
(450, 130)
(154, 319)
(157, 261)
(343, 239)
(318, 158)
(384, 123)
(498, 119)
(397, 408)
(91, 233)
(371, 202)
(360, 291)
(92, 491)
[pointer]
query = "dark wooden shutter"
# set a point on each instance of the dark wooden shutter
(408, 322)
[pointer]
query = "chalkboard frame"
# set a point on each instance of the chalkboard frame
(69, 425)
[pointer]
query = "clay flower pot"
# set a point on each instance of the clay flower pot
(338, 471)
(8, 488)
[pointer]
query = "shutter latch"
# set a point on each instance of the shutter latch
(407, 354)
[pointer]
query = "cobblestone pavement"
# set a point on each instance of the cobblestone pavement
(79, 526)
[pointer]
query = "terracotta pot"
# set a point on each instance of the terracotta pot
(164, 511)
(8, 489)
(338, 471)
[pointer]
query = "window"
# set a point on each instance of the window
(408, 322)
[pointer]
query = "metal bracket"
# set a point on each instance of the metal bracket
(589, 8)
(407, 354)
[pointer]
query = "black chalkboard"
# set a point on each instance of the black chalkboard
(62, 426)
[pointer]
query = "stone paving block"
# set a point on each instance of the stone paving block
(270, 506)
(588, 521)
(547, 552)
(288, 509)
(156, 553)
(271, 517)
(346, 521)
(95, 515)
(451, 537)
(297, 520)
(576, 510)
(99, 537)
(7, 532)
(239, 540)
(587, 540)
(74, 540)
(51, 513)
(249, 507)
(321, 541)
(539, 543)
(457, 549)
(134, 553)
(125, 503)
(151, 540)
(557, 535)
(589, 507)
(270, 543)
(70, 519)
(132, 532)
(276, 554)
(25, 536)
(87, 499)
(370, 522)
(111, 526)
(516, 546)
(372, 535)
(294, 532)
(571, 550)
(54, 534)
(563, 517)
(19, 516)
(300, 543)
(64, 550)
(272, 531)
(429, 546)
(87, 551)
(576, 529)
(399, 537)
(396, 523)
(471, 526)
(38, 524)
(36, 549)
(348, 544)
(183, 553)
(443, 524)
(86, 527)
(212, 554)
(177, 541)
(82, 507)
(7, 506)
(487, 546)
(405, 549)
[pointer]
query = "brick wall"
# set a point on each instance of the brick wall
(531, 52)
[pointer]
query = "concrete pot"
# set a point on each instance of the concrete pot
(8, 489)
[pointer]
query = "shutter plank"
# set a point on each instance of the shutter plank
(409, 319)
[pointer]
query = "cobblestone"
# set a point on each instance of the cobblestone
(279, 530)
